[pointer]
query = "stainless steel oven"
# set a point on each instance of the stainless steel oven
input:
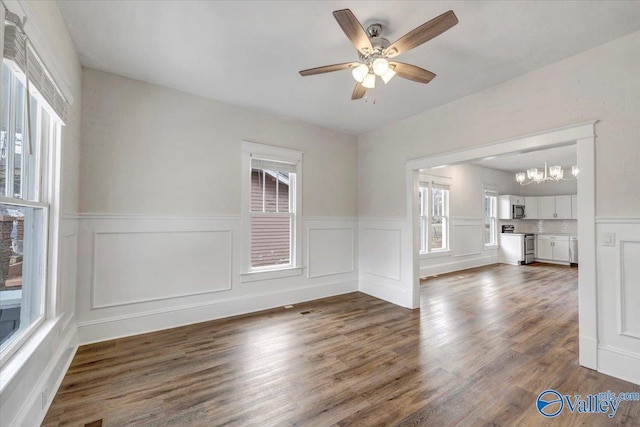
(529, 248)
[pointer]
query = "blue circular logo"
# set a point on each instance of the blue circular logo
(549, 403)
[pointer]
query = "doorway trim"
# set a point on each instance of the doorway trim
(581, 134)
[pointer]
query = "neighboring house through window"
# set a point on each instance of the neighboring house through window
(271, 207)
(490, 218)
(434, 217)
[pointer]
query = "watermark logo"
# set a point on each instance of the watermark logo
(551, 403)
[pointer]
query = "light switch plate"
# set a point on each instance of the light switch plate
(608, 239)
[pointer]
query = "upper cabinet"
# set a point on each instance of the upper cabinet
(505, 204)
(531, 207)
(554, 207)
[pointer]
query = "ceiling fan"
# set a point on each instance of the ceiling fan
(374, 51)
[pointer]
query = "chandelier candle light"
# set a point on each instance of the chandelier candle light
(556, 173)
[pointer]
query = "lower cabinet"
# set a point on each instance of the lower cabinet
(552, 248)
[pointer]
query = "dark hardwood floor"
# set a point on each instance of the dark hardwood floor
(482, 347)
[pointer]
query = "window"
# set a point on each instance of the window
(490, 218)
(272, 206)
(272, 212)
(24, 148)
(434, 217)
(32, 110)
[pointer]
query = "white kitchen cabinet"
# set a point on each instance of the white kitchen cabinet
(563, 207)
(511, 248)
(505, 202)
(552, 248)
(531, 205)
(547, 207)
(544, 249)
(574, 206)
(554, 207)
(561, 250)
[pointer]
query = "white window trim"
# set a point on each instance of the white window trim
(249, 150)
(488, 189)
(23, 344)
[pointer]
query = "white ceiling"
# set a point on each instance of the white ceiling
(249, 53)
(563, 156)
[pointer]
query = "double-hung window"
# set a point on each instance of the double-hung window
(271, 208)
(30, 129)
(434, 217)
(490, 218)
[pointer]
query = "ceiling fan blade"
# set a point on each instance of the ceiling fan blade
(327, 68)
(423, 33)
(354, 31)
(358, 92)
(411, 72)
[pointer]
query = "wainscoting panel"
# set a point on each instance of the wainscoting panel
(618, 297)
(467, 236)
(381, 248)
(383, 259)
(629, 288)
(134, 267)
(467, 249)
(330, 251)
(141, 273)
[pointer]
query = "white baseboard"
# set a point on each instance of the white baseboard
(450, 267)
(34, 410)
(151, 321)
(588, 350)
(387, 293)
(619, 364)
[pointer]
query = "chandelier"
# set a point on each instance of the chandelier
(555, 173)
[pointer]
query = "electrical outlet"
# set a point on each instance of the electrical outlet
(45, 397)
(608, 239)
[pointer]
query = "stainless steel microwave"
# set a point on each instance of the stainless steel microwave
(517, 212)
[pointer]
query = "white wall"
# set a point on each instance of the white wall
(161, 189)
(467, 183)
(158, 151)
(41, 363)
(602, 83)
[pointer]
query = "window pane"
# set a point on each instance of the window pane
(4, 131)
(283, 191)
(270, 240)
(21, 269)
(487, 231)
(257, 190)
(270, 190)
(437, 233)
(19, 114)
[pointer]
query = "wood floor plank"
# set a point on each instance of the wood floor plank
(483, 345)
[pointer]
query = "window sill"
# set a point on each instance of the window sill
(438, 254)
(256, 276)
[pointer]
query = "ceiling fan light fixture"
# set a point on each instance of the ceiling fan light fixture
(380, 66)
(360, 72)
(388, 75)
(369, 81)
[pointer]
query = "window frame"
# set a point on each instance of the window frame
(426, 218)
(489, 192)
(47, 190)
(294, 268)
